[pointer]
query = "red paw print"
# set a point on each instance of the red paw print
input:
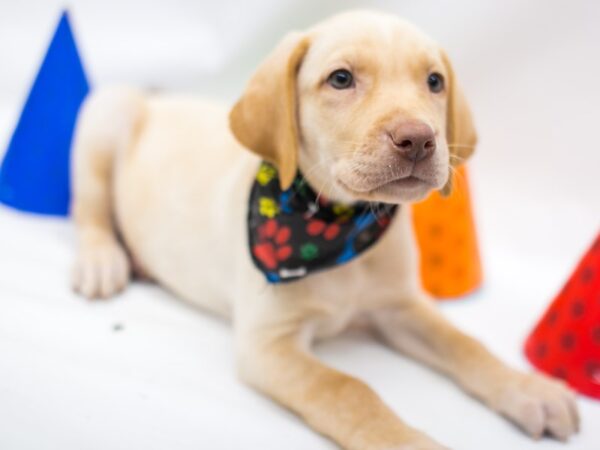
(272, 247)
(316, 227)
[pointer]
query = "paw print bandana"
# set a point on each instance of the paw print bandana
(296, 232)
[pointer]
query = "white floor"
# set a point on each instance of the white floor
(144, 371)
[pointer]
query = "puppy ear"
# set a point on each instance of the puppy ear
(264, 118)
(460, 129)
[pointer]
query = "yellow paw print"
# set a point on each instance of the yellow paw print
(343, 211)
(267, 207)
(265, 174)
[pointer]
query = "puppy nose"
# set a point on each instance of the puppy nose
(415, 141)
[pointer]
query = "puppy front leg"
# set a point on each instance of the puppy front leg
(534, 402)
(334, 404)
(104, 129)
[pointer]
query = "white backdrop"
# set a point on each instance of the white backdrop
(530, 70)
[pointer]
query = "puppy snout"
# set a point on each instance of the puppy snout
(415, 141)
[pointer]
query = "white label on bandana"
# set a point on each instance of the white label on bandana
(289, 273)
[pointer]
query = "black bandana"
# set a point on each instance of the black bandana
(295, 232)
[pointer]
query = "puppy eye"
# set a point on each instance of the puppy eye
(341, 79)
(435, 81)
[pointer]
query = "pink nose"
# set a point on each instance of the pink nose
(414, 140)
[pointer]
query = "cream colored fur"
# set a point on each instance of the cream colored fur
(161, 185)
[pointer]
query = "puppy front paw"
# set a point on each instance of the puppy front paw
(539, 405)
(101, 270)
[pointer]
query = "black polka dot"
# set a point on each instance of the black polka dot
(435, 230)
(552, 317)
(436, 260)
(577, 308)
(567, 341)
(592, 370)
(541, 350)
(560, 372)
(596, 334)
(587, 275)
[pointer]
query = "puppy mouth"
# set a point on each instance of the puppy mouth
(407, 183)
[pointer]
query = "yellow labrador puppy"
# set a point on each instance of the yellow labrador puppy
(358, 113)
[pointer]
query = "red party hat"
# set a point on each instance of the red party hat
(566, 342)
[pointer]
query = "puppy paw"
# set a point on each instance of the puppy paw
(101, 270)
(540, 405)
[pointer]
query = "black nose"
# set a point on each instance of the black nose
(415, 141)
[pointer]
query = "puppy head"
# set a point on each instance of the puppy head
(364, 104)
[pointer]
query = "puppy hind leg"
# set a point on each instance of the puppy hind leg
(106, 125)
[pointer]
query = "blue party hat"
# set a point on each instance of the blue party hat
(34, 175)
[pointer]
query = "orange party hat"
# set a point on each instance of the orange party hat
(445, 231)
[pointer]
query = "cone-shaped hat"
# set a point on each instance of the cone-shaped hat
(566, 341)
(445, 231)
(34, 175)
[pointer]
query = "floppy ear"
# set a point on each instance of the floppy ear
(264, 118)
(460, 129)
